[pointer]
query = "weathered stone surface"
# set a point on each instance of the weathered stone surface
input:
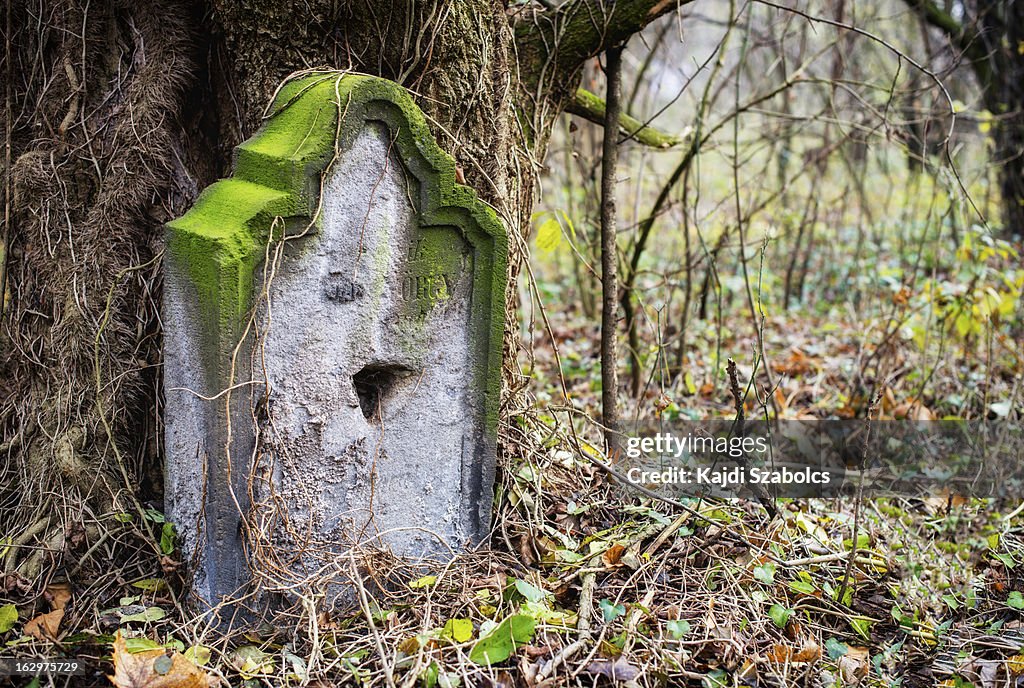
(333, 325)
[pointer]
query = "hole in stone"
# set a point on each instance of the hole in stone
(372, 384)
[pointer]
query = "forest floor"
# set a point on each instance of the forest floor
(586, 581)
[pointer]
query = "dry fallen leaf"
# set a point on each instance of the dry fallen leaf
(617, 670)
(797, 363)
(912, 410)
(780, 399)
(59, 594)
(748, 672)
(854, 664)
(944, 501)
(534, 652)
(785, 654)
(980, 672)
(504, 680)
(888, 400)
(45, 626)
(612, 555)
(326, 622)
(154, 669)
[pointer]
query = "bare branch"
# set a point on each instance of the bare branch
(592, 108)
(610, 256)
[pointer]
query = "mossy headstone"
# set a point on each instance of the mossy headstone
(333, 320)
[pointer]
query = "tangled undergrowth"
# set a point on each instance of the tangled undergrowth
(586, 582)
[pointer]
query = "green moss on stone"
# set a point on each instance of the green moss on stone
(278, 173)
(218, 241)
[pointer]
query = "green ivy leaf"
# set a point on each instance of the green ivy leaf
(716, 678)
(802, 587)
(428, 679)
(147, 616)
(8, 617)
(861, 627)
(678, 628)
(134, 645)
(503, 639)
(835, 649)
(151, 584)
(198, 654)
(529, 591)
(167, 538)
(780, 615)
(1015, 600)
(549, 235)
(611, 611)
(154, 515)
(691, 386)
(765, 573)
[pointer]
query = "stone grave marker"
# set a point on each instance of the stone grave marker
(333, 321)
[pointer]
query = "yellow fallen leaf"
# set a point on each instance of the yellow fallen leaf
(424, 582)
(250, 660)
(154, 669)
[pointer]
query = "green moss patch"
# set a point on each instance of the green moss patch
(277, 178)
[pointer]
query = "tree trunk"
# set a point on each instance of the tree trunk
(1010, 156)
(610, 256)
(1002, 32)
(989, 39)
(118, 113)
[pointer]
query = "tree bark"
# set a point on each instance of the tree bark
(989, 38)
(1005, 99)
(610, 254)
